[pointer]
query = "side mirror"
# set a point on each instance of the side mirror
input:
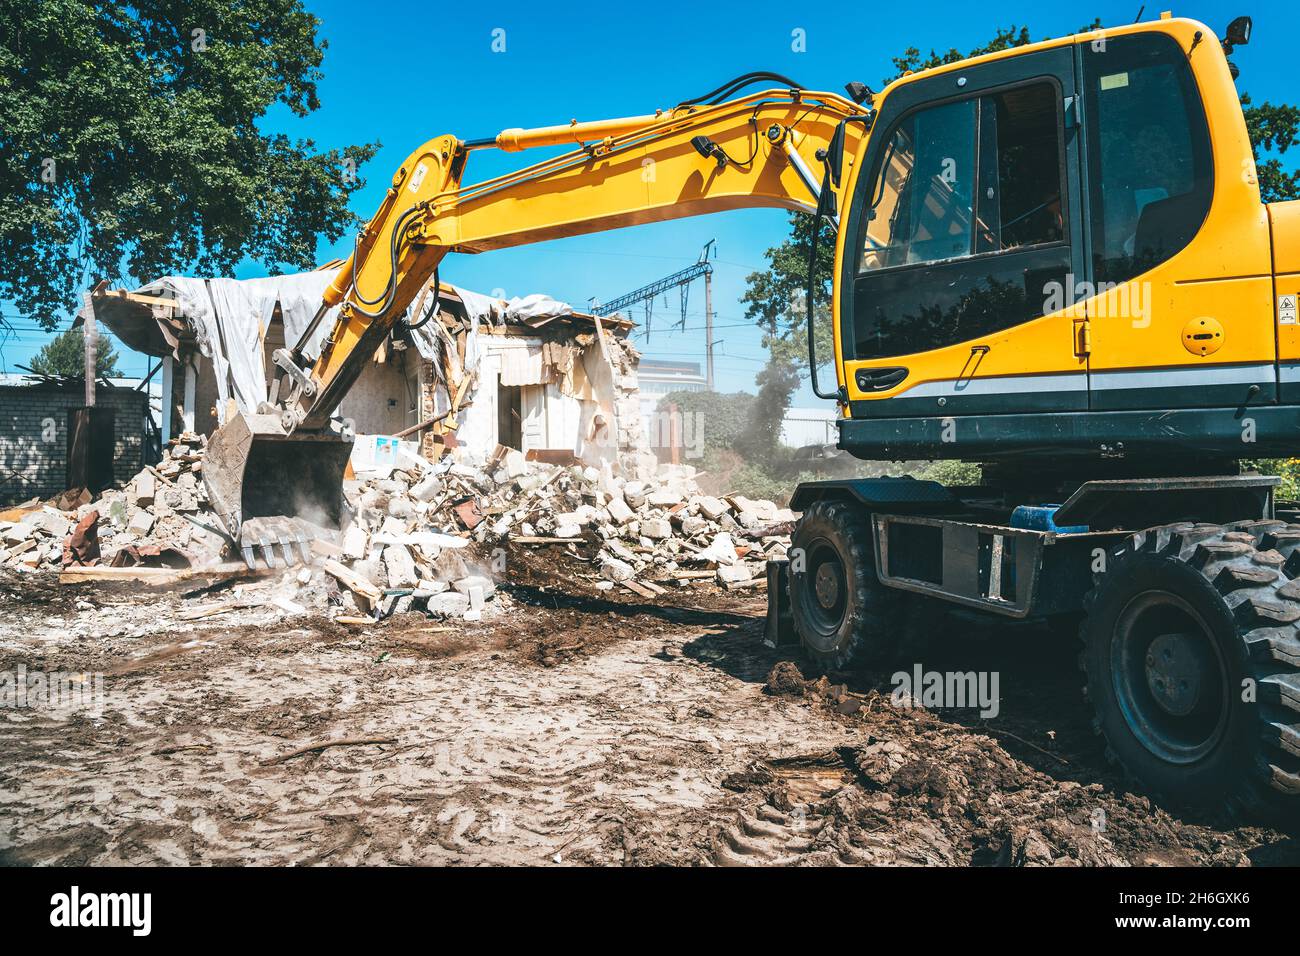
(835, 154)
(1239, 32)
(860, 93)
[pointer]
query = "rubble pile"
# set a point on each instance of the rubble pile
(161, 517)
(419, 525)
(428, 536)
(653, 528)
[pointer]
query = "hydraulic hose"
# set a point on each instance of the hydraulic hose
(822, 200)
(713, 97)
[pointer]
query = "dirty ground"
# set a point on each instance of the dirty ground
(580, 728)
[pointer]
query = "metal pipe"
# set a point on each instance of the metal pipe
(516, 139)
(806, 177)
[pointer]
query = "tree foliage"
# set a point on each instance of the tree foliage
(1273, 129)
(65, 356)
(775, 298)
(130, 144)
(721, 415)
(1003, 39)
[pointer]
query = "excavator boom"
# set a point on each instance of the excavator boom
(276, 476)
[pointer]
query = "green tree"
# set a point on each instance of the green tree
(130, 144)
(1273, 129)
(777, 300)
(1003, 39)
(722, 416)
(65, 355)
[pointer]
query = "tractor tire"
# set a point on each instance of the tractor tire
(1192, 662)
(844, 616)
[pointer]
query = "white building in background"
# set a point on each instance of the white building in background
(658, 377)
(809, 426)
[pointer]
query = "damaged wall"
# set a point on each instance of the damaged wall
(529, 373)
(34, 435)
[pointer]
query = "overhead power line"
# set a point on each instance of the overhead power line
(680, 280)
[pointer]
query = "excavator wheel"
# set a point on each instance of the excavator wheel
(1192, 660)
(843, 614)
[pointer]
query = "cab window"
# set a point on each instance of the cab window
(925, 206)
(1020, 202)
(921, 209)
(1150, 166)
(966, 222)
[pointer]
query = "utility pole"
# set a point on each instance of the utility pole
(680, 280)
(708, 327)
(90, 338)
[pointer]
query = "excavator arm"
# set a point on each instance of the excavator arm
(759, 149)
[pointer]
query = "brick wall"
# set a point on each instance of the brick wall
(34, 436)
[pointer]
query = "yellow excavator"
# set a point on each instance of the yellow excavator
(1052, 260)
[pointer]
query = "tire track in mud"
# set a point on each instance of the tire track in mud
(650, 746)
(494, 759)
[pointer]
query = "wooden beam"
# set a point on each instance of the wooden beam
(162, 301)
(153, 576)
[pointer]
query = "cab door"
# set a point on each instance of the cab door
(965, 236)
(1181, 312)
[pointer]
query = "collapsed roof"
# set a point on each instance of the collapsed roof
(226, 321)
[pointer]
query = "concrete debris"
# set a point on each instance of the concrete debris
(737, 573)
(428, 537)
(400, 567)
(616, 570)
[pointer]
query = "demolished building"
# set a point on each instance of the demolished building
(528, 374)
(38, 423)
(527, 419)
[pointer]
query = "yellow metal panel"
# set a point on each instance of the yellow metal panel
(1286, 264)
(1224, 273)
(1043, 346)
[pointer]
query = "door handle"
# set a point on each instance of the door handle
(878, 379)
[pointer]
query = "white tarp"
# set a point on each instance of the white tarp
(536, 306)
(231, 316)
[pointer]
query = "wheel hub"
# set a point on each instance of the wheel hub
(826, 585)
(1169, 677)
(1175, 673)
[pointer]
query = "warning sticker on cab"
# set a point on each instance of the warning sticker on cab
(1286, 310)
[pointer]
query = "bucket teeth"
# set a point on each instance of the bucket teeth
(278, 541)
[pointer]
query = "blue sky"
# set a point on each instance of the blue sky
(401, 73)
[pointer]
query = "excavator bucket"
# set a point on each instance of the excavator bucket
(275, 491)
